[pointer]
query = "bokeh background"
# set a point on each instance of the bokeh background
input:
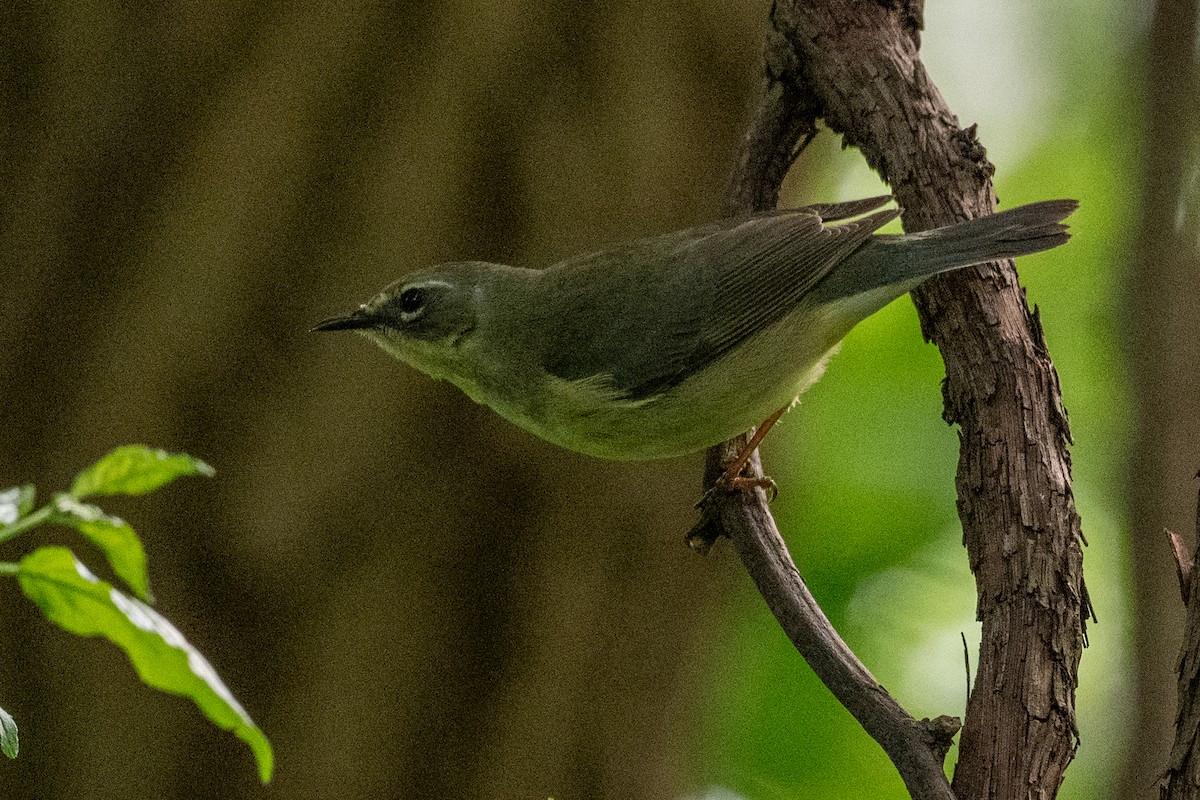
(410, 596)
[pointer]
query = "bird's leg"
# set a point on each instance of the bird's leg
(732, 479)
(705, 532)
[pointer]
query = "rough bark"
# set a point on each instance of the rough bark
(1182, 778)
(855, 64)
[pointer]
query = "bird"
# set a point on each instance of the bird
(669, 344)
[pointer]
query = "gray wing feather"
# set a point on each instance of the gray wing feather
(679, 302)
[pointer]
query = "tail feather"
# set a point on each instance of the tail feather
(1008, 234)
(905, 260)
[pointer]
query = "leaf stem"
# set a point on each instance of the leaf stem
(43, 514)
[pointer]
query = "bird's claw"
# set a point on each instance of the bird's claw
(731, 484)
(742, 483)
(707, 530)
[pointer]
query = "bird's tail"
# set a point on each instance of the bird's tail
(905, 260)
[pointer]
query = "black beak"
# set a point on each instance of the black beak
(356, 320)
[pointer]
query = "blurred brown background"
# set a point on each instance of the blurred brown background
(411, 597)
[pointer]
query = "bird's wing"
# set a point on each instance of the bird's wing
(685, 299)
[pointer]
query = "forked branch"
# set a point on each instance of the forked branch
(854, 64)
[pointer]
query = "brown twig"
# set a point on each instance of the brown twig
(855, 63)
(1185, 563)
(917, 749)
(1182, 778)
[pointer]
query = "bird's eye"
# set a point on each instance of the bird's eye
(411, 300)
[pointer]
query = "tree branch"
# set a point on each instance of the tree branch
(917, 749)
(855, 63)
(1182, 778)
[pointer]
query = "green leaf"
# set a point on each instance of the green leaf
(114, 536)
(15, 503)
(9, 743)
(134, 469)
(74, 599)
